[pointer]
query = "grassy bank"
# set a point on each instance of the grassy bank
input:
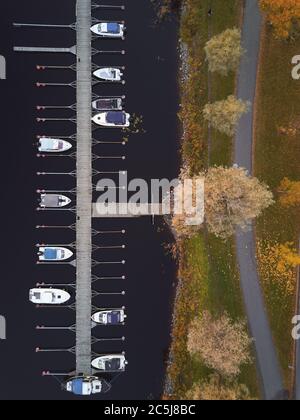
(277, 155)
(210, 281)
(196, 29)
(208, 271)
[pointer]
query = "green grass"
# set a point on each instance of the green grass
(226, 13)
(208, 270)
(196, 29)
(210, 282)
(278, 156)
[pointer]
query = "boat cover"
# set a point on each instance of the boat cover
(118, 118)
(47, 143)
(114, 318)
(51, 200)
(113, 28)
(77, 386)
(112, 365)
(50, 254)
(106, 103)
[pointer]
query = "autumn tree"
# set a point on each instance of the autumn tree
(181, 214)
(224, 51)
(283, 15)
(289, 193)
(233, 199)
(224, 115)
(289, 254)
(277, 264)
(216, 389)
(221, 344)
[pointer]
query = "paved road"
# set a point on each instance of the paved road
(266, 356)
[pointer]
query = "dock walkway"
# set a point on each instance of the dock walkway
(84, 188)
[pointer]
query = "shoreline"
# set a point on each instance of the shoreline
(209, 250)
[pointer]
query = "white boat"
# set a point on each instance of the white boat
(109, 317)
(110, 363)
(50, 145)
(54, 253)
(87, 385)
(44, 296)
(108, 104)
(109, 29)
(112, 119)
(54, 201)
(109, 74)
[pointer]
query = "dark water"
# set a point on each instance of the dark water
(151, 90)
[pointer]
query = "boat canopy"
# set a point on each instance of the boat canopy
(51, 200)
(78, 386)
(114, 317)
(106, 103)
(113, 364)
(118, 118)
(113, 28)
(50, 254)
(47, 143)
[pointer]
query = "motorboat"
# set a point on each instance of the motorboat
(110, 363)
(87, 385)
(54, 253)
(109, 74)
(54, 201)
(109, 29)
(48, 296)
(50, 145)
(108, 104)
(112, 119)
(110, 317)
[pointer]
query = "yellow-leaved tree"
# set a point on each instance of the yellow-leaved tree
(278, 263)
(233, 199)
(289, 193)
(290, 254)
(224, 115)
(284, 16)
(224, 51)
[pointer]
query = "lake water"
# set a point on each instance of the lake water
(151, 91)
